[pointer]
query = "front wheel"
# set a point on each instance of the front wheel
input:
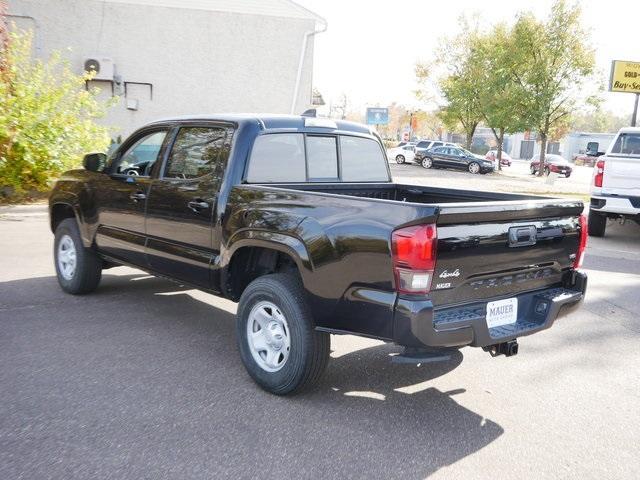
(474, 167)
(533, 169)
(276, 335)
(400, 159)
(78, 269)
(427, 162)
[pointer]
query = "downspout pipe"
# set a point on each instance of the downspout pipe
(303, 51)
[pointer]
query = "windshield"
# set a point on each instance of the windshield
(627, 144)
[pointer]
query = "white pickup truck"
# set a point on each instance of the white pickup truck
(615, 186)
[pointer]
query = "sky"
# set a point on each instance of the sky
(370, 48)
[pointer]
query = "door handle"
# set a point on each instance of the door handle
(197, 205)
(137, 196)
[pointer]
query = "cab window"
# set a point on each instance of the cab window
(138, 159)
(196, 152)
(277, 158)
(627, 144)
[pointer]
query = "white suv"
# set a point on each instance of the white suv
(615, 186)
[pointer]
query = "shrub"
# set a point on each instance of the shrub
(46, 117)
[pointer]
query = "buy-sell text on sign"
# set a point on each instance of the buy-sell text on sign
(625, 76)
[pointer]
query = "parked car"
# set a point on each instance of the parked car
(298, 220)
(423, 145)
(505, 158)
(402, 154)
(615, 186)
(590, 157)
(552, 163)
(455, 157)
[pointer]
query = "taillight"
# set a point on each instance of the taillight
(597, 179)
(577, 263)
(414, 257)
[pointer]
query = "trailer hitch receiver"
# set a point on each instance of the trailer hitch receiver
(508, 349)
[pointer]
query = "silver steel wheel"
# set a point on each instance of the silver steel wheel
(400, 159)
(268, 336)
(474, 167)
(67, 257)
(427, 162)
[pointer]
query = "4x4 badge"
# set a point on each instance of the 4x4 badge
(447, 274)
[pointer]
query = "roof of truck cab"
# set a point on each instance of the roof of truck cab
(270, 121)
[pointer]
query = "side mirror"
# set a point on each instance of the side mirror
(94, 162)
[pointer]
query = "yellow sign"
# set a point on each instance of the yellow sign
(625, 76)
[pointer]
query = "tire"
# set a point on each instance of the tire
(308, 350)
(533, 169)
(597, 224)
(427, 162)
(547, 172)
(567, 175)
(399, 159)
(82, 271)
(474, 167)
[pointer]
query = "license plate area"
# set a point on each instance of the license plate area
(502, 312)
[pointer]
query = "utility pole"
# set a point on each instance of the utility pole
(634, 118)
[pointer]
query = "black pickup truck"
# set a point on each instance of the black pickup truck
(297, 219)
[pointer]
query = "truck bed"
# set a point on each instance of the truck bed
(406, 193)
(475, 260)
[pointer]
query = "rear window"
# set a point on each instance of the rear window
(277, 158)
(322, 154)
(362, 160)
(627, 144)
(295, 157)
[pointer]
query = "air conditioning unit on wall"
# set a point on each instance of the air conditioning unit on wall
(103, 67)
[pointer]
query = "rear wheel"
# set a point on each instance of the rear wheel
(78, 269)
(597, 224)
(534, 170)
(427, 162)
(400, 159)
(474, 167)
(547, 172)
(276, 335)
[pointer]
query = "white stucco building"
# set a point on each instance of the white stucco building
(175, 57)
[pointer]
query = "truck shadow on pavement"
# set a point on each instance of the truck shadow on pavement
(142, 380)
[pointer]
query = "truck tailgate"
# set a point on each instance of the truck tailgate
(621, 176)
(497, 249)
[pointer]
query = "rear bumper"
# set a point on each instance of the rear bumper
(560, 171)
(417, 324)
(617, 204)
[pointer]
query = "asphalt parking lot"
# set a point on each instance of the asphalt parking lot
(142, 380)
(516, 178)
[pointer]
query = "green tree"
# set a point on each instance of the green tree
(460, 84)
(47, 117)
(596, 119)
(551, 63)
(500, 100)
